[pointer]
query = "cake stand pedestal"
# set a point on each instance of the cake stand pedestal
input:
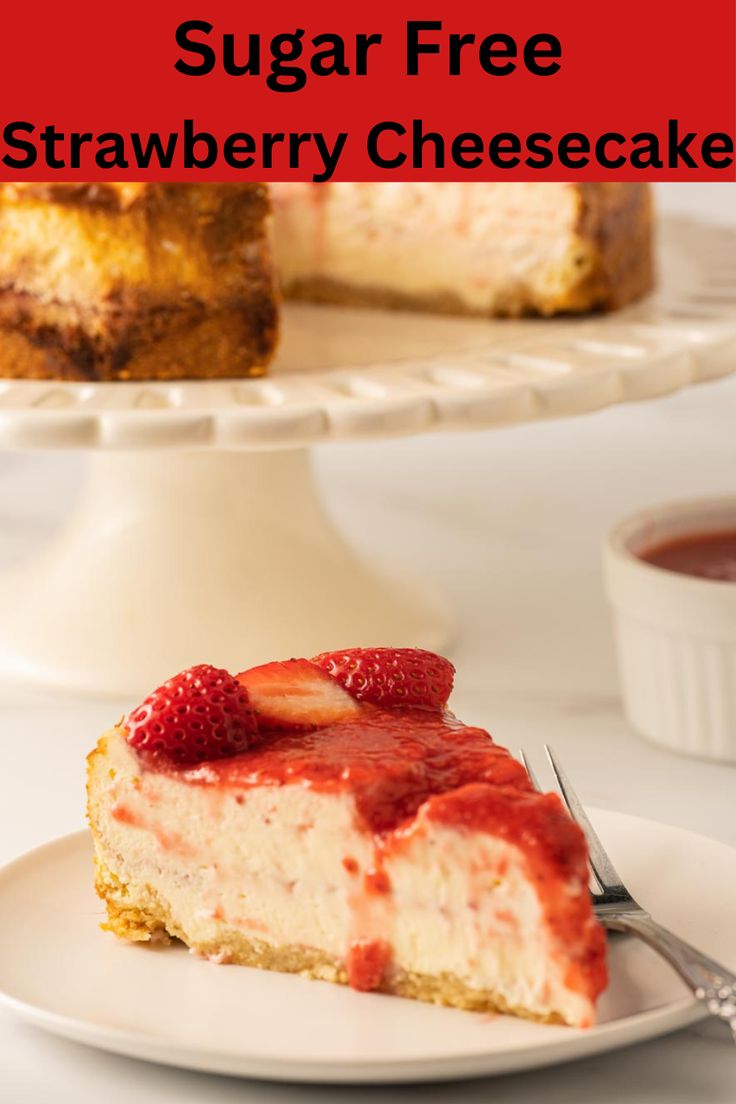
(225, 557)
(200, 535)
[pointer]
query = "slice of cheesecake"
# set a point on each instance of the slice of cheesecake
(331, 818)
(505, 249)
(135, 281)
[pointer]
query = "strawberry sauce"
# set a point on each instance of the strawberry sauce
(705, 555)
(377, 881)
(391, 760)
(367, 963)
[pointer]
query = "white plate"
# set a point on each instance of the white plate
(58, 970)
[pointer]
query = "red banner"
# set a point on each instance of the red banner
(640, 89)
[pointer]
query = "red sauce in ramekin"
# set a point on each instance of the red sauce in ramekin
(704, 555)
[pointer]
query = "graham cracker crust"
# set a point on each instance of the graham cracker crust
(230, 343)
(136, 913)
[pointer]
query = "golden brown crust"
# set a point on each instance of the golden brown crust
(169, 281)
(137, 914)
(617, 220)
(163, 345)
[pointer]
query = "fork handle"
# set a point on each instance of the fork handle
(711, 983)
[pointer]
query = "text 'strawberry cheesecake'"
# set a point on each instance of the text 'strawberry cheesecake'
(330, 817)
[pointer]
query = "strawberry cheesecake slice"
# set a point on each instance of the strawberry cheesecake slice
(330, 817)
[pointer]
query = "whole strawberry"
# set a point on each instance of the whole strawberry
(392, 677)
(203, 713)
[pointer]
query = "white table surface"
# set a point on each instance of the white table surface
(509, 525)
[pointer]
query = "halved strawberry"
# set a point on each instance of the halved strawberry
(296, 694)
(203, 713)
(392, 676)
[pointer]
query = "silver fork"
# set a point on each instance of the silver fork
(614, 906)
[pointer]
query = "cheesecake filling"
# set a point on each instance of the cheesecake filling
(508, 248)
(473, 241)
(287, 863)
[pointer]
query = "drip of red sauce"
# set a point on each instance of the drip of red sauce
(377, 881)
(367, 963)
(705, 555)
(556, 855)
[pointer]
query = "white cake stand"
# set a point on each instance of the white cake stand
(201, 535)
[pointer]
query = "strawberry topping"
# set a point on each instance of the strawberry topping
(367, 963)
(203, 713)
(297, 694)
(392, 677)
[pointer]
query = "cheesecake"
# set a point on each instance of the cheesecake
(133, 281)
(507, 249)
(137, 281)
(331, 818)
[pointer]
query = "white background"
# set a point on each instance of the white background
(509, 525)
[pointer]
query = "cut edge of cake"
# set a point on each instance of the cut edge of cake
(488, 250)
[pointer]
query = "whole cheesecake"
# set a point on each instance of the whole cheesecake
(330, 817)
(136, 281)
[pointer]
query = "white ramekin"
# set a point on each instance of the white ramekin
(675, 634)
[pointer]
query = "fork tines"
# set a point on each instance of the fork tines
(604, 872)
